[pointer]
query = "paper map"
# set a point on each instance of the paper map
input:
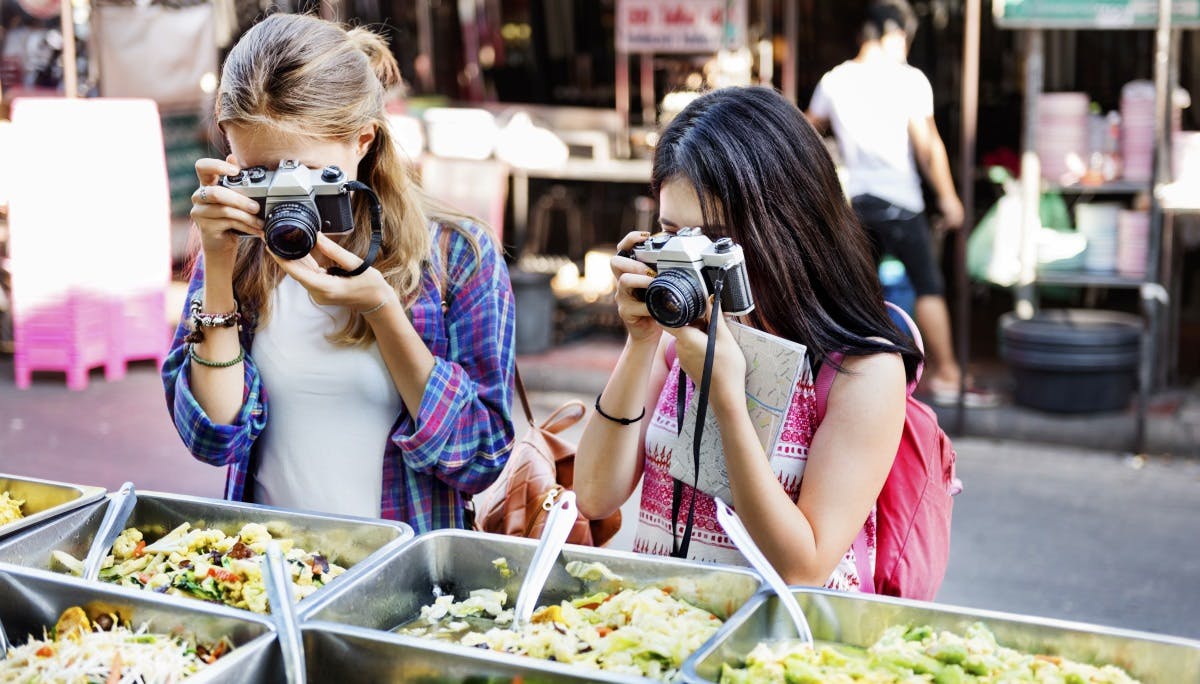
(773, 368)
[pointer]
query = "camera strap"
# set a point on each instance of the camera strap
(376, 210)
(680, 549)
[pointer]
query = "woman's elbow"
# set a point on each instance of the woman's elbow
(592, 502)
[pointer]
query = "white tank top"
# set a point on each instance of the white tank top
(330, 410)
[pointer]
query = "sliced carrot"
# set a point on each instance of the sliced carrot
(114, 674)
(44, 652)
(140, 549)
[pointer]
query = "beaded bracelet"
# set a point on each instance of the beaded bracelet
(210, 320)
(201, 320)
(215, 364)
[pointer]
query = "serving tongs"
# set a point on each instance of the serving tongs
(741, 539)
(559, 522)
(4, 642)
(283, 614)
(120, 506)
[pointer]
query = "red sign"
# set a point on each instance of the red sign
(680, 26)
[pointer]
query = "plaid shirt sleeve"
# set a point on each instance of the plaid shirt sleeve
(463, 431)
(218, 445)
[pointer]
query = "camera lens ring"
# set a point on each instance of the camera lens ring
(291, 230)
(676, 297)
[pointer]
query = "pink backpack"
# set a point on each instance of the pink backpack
(914, 507)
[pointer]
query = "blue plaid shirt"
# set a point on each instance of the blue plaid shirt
(461, 435)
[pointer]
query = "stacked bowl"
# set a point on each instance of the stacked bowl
(1062, 136)
(1097, 221)
(1133, 243)
(1137, 130)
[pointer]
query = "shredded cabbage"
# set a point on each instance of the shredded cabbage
(644, 632)
(10, 509)
(119, 654)
(915, 654)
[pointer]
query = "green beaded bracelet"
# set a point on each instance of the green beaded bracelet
(215, 364)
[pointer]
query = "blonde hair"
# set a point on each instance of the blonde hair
(304, 76)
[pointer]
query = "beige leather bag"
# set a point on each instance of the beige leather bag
(541, 467)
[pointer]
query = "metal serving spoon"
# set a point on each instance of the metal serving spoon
(283, 614)
(5, 644)
(559, 522)
(741, 539)
(119, 507)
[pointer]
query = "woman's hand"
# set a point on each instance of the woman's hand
(632, 279)
(363, 292)
(729, 364)
(222, 214)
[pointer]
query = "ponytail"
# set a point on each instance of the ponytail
(379, 56)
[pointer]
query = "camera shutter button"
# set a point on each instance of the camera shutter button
(236, 178)
(331, 174)
(723, 245)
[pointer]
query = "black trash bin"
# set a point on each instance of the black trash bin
(1073, 360)
(535, 305)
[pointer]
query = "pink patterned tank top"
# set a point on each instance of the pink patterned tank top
(709, 543)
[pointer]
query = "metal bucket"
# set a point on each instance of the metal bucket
(860, 620)
(392, 590)
(31, 600)
(344, 540)
(44, 499)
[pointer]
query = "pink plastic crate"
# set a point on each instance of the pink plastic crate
(138, 330)
(87, 331)
(70, 336)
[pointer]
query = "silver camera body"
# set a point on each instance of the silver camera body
(296, 203)
(688, 264)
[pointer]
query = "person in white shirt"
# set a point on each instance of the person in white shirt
(881, 112)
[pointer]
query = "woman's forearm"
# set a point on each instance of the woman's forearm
(607, 465)
(409, 361)
(218, 390)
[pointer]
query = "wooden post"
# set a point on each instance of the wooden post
(966, 191)
(791, 28)
(1031, 175)
(70, 68)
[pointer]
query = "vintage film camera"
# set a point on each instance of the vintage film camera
(296, 202)
(687, 264)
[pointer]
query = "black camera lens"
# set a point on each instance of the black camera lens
(676, 297)
(291, 230)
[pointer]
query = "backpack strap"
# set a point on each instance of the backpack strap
(828, 371)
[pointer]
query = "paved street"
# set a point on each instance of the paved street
(1054, 532)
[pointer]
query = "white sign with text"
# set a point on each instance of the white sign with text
(680, 26)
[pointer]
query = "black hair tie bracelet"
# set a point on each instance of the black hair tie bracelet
(622, 421)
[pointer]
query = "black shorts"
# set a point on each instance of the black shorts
(903, 234)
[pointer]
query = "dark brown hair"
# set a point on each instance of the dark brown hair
(765, 179)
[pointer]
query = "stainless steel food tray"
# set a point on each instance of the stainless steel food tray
(393, 587)
(31, 600)
(354, 655)
(347, 541)
(44, 499)
(860, 620)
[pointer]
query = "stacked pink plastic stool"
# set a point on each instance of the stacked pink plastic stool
(90, 257)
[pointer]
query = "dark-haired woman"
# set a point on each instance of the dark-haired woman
(744, 163)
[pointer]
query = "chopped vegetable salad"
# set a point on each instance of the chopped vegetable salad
(209, 565)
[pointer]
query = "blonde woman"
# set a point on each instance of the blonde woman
(389, 391)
